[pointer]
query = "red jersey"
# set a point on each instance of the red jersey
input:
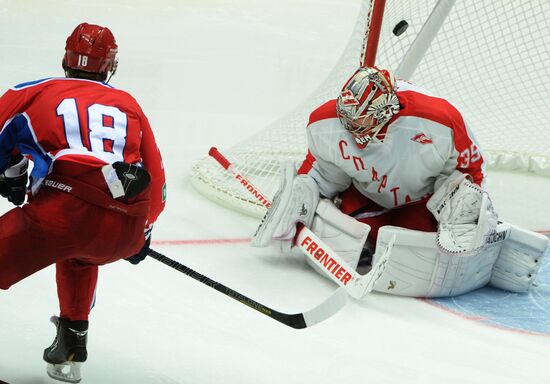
(80, 123)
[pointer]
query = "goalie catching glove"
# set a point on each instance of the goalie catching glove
(467, 221)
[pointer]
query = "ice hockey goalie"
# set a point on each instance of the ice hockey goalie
(399, 162)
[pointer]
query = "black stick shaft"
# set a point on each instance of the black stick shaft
(292, 320)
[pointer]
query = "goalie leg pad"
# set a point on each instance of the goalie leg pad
(417, 268)
(345, 235)
(295, 202)
(519, 261)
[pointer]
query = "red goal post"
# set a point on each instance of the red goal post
(491, 58)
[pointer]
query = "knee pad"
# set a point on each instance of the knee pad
(345, 235)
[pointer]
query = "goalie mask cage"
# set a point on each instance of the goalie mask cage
(489, 57)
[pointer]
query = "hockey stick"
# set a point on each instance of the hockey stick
(317, 250)
(302, 320)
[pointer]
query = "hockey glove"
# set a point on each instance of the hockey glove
(142, 254)
(467, 220)
(126, 180)
(13, 185)
(3, 186)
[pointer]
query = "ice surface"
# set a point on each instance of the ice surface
(211, 72)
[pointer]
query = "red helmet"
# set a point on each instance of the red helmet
(91, 48)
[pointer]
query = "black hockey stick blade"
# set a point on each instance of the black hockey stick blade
(321, 312)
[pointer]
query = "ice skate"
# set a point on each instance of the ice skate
(68, 350)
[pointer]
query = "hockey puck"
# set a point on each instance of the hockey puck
(400, 28)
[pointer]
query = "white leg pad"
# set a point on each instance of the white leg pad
(417, 269)
(519, 261)
(345, 235)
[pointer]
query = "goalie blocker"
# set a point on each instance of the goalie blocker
(298, 202)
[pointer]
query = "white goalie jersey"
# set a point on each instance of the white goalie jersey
(424, 144)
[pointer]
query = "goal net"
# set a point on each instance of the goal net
(489, 57)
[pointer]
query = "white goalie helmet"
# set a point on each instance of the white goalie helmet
(366, 103)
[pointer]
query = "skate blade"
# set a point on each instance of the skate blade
(68, 372)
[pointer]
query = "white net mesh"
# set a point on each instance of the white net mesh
(489, 58)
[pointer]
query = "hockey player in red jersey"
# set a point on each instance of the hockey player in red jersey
(96, 188)
(404, 164)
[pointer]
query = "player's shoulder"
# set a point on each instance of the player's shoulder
(32, 83)
(118, 93)
(323, 112)
(89, 87)
(58, 82)
(418, 102)
(67, 82)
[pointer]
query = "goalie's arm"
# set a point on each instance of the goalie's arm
(460, 205)
(329, 178)
(463, 155)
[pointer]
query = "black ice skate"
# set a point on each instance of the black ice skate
(68, 350)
